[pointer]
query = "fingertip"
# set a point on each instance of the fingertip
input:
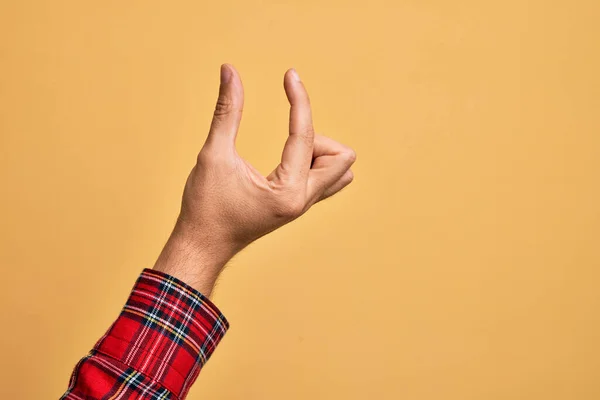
(230, 102)
(289, 74)
(231, 81)
(294, 75)
(349, 176)
(226, 74)
(294, 87)
(291, 78)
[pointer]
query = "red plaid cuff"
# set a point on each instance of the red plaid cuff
(155, 349)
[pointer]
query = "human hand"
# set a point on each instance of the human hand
(227, 203)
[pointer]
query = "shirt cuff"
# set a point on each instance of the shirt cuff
(166, 331)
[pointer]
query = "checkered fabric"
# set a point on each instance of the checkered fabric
(155, 349)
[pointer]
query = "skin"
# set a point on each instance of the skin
(227, 204)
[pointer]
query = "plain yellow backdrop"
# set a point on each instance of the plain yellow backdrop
(462, 263)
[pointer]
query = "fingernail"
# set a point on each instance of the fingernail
(225, 74)
(295, 75)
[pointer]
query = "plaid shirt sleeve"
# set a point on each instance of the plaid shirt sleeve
(155, 349)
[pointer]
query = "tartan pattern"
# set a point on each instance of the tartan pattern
(165, 333)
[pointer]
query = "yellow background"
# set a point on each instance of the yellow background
(463, 262)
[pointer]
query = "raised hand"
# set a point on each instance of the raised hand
(227, 203)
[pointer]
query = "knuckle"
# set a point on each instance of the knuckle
(205, 157)
(295, 209)
(290, 209)
(224, 106)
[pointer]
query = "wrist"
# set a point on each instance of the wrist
(193, 258)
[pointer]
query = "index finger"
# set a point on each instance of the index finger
(298, 149)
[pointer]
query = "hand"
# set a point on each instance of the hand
(227, 203)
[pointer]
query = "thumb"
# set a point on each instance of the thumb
(228, 111)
